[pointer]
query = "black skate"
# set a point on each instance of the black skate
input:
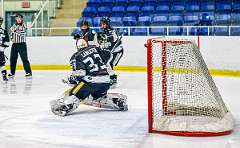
(28, 76)
(10, 76)
(5, 79)
(4, 75)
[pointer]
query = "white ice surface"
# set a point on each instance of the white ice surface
(27, 122)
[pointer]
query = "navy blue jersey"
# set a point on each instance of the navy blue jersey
(89, 59)
(107, 39)
(4, 38)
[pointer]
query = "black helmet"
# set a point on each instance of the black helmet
(84, 22)
(105, 20)
(1, 19)
(18, 15)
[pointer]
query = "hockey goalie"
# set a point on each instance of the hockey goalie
(90, 82)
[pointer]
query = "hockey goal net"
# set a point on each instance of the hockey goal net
(182, 96)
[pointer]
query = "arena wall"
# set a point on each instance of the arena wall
(220, 53)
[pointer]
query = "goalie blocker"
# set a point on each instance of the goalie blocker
(90, 81)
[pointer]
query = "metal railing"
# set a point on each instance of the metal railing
(41, 20)
(148, 30)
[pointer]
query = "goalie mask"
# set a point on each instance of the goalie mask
(81, 43)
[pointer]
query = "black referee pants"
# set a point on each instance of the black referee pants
(20, 48)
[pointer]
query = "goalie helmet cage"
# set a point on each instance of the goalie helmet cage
(183, 99)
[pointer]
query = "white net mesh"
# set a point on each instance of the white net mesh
(184, 96)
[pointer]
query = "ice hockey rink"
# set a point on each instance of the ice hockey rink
(27, 122)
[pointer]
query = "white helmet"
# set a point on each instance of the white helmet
(81, 43)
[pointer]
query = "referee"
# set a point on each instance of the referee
(18, 37)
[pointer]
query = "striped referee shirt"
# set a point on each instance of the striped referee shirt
(18, 33)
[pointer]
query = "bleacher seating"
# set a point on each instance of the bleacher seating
(116, 21)
(167, 13)
(129, 21)
(104, 11)
(147, 10)
(132, 10)
(118, 11)
(159, 20)
(144, 21)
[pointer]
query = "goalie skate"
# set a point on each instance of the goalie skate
(64, 106)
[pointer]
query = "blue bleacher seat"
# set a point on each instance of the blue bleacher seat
(192, 6)
(159, 20)
(223, 6)
(144, 20)
(236, 6)
(235, 31)
(116, 21)
(150, 2)
(177, 7)
(108, 3)
(118, 11)
(147, 10)
(121, 2)
(135, 2)
(163, 8)
(104, 11)
(158, 31)
(139, 31)
(207, 6)
(89, 12)
(96, 21)
(223, 19)
(236, 18)
(88, 19)
(94, 3)
(175, 20)
(191, 19)
(132, 10)
(221, 31)
(129, 21)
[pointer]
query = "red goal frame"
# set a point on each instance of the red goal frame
(164, 91)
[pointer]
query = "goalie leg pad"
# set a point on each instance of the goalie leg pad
(113, 101)
(65, 105)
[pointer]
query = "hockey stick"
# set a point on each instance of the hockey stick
(117, 42)
(5, 56)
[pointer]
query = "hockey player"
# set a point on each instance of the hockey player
(86, 32)
(91, 83)
(4, 43)
(108, 39)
